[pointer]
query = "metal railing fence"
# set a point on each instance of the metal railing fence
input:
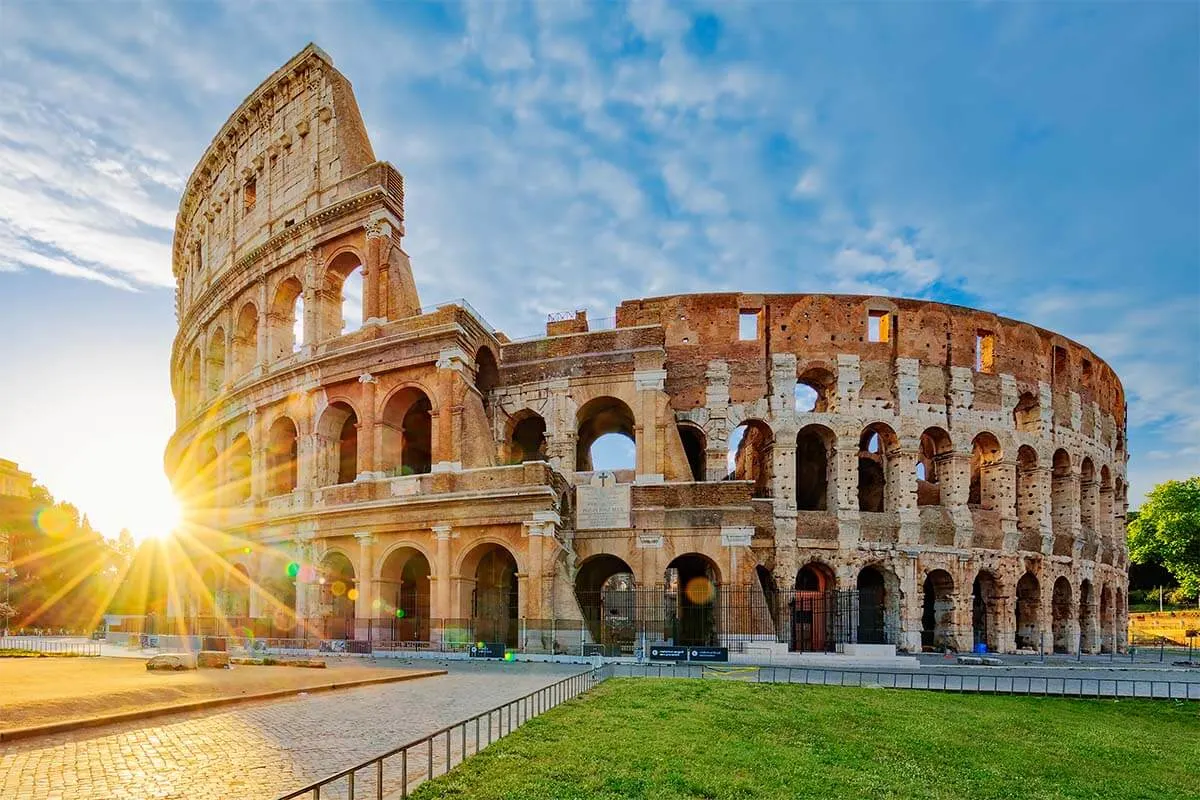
(1084, 688)
(42, 644)
(396, 772)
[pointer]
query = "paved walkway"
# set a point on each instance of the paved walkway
(259, 750)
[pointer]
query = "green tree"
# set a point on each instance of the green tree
(1167, 529)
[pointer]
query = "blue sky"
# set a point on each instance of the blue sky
(1039, 160)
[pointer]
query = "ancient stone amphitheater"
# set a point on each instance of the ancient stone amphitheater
(808, 471)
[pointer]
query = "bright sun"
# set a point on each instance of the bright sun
(157, 517)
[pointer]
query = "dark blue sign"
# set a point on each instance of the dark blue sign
(487, 650)
(667, 652)
(670, 652)
(708, 654)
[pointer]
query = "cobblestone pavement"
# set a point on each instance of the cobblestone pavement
(259, 750)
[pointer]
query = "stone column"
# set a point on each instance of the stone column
(365, 573)
(902, 492)
(716, 399)
(304, 558)
(648, 441)
(845, 467)
(261, 343)
(954, 475)
(453, 365)
(1003, 477)
(368, 457)
(258, 456)
(440, 594)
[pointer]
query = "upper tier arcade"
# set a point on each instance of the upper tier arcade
(290, 178)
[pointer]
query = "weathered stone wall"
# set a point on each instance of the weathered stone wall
(976, 464)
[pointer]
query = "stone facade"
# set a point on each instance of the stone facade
(13, 481)
(971, 465)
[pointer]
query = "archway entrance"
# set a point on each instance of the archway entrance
(336, 583)
(1028, 635)
(494, 607)
(403, 601)
(985, 611)
(878, 606)
(604, 588)
(1087, 617)
(692, 586)
(1060, 603)
(813, 609)
(1108, 624)
(937, 617)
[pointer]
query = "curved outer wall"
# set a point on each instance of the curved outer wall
(976, 463)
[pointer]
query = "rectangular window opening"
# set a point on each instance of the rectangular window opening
(748, 325)
(985, 351)
(879, 326)
(249, 195)
(1060, 366)
(1087, 372)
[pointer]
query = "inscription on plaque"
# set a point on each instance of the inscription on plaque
(604, 504)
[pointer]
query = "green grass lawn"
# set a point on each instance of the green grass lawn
(662, 739)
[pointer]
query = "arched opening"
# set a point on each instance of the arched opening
(1026, 415)
(337, 434)
(494, 608)
(1108, 621)
(1087, 617)
(985, 611)
(985, 472)
(1029, 597)
(1060, 616)
(874, 446)
(815, 390)
(1028, 500)
(878, 605)
(403, 601)
(694, 447)
(815, 449)
(240, 469)
(1104, 520)
(335, 580)
(193, 391)
(1088, 496)
(487, 373)
(605, 427)
(285, 321)
(528, 441)
(749, 457)
(604, 587)
(352, 301)
(216, 361)
(237, 593)
(408, 433)
(935, 450)
(813, 609)
(282, 463)
(245, 341)
(692, 584)
(937, 613)
(1061, 503)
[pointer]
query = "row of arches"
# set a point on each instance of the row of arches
(271, 333)
(404, 446)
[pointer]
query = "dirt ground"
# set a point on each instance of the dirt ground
(38, 691)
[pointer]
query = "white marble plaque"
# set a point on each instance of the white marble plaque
(605, 504)
(736, 537)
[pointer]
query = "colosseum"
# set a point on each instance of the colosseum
(806, 472)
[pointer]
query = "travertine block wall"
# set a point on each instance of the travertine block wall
(976, 463)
